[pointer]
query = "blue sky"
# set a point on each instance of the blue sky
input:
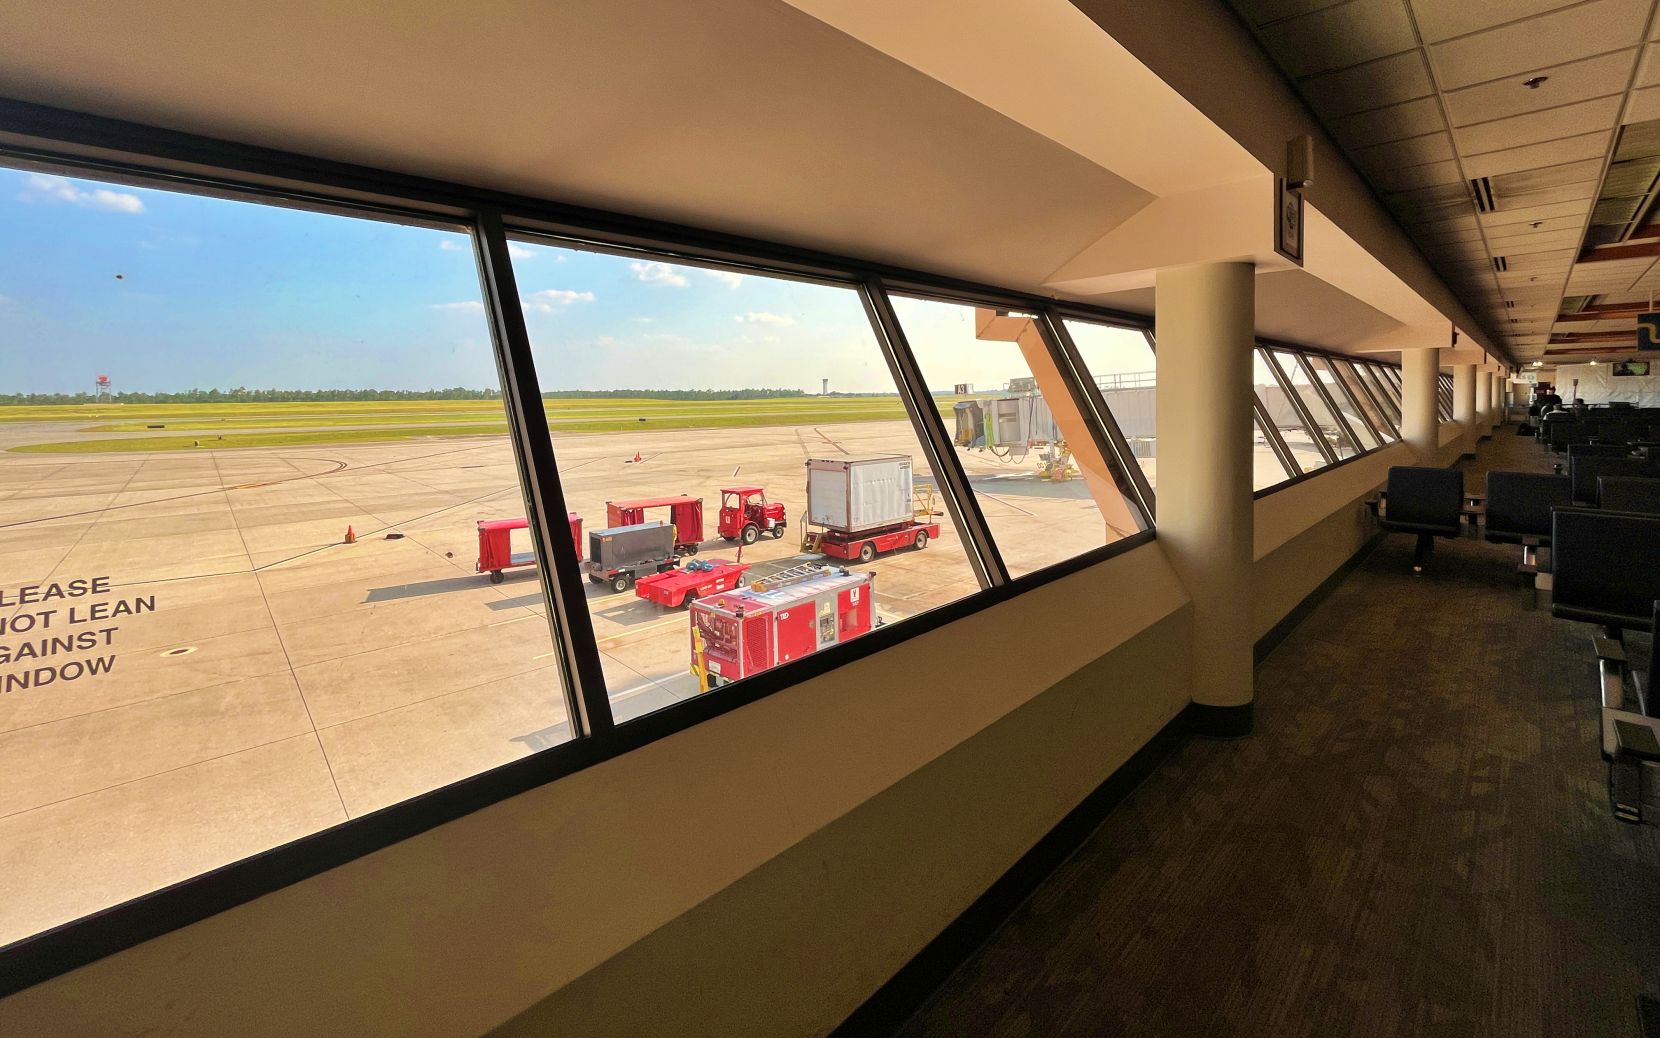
(165, 291)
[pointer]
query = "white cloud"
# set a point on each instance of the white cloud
(451, 245)
(520, 251)
(468, 306)
(762, 317)
(726, 277)
(550, 299)
(654, 273)
(40, 187)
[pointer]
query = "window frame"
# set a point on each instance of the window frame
(40, 138)
(37, 138)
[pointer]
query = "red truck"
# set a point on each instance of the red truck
(745, 514)
(495, 545)
(738, 634)
(861, 507)
(685, 515)
(677, 587)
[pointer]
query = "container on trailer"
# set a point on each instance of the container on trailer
(850, 495)
(622, 546)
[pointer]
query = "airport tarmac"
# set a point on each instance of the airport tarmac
(283, 681)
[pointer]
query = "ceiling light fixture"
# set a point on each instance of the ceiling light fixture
(1535, 82)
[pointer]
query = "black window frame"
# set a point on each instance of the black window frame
(38, 138)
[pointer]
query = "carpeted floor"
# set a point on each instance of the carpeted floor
(1415, 841)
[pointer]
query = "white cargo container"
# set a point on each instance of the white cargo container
(855, 494)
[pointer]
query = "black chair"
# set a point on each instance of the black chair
(1425, 501)
(1519, 506)
(1598, 450)
(1586, 470)
(1605, 568)
(1629, 494)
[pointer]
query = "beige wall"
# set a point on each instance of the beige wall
(762, 872)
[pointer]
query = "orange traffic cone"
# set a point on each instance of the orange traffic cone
(636, 457)
(351, 537)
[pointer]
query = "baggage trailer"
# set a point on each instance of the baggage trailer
(677, 587)
(495, 545)
(622, 554)
(738, 634)
(685, 516)
(862, 507)
(745, 514)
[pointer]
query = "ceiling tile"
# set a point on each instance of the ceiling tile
(1393, 122)
(1413, 151)
(1644, 106)
(1557, 216)
(1574, 81)
(1648, 71)
(1534, 127)
(1534, 241)
(1581, 176)
(1338, 37)
(1441, 19)
(1427, 175)
(1535, 43)
(1392, 80)
(1260, 12)
(1533, 156)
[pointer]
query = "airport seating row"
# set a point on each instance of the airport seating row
(1600, 525)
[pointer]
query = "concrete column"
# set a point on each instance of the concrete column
(1464, 405)
(1419, 425)
(1205, 317)
(1484, 403)
(1500, 397)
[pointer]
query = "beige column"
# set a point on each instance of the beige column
(1205, 318)
(1464, 405)
(1484, 402)
(1500, 397)
(1419, 426)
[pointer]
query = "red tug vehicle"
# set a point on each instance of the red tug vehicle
(685, 515)
(745, 514)
(495, 545)
(738, 634)
(677, 587)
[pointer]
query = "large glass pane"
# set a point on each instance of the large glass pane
(1122, 362)
(249, 452)
(1366, 398)
(1304, 448)
(1385, 392)
(1348, 407)
(1329, 426)
(1266, 468)
(716, 428)
(1046, 491)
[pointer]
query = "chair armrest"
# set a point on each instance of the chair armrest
(1608, 649)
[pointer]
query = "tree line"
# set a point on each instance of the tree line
(242, 394)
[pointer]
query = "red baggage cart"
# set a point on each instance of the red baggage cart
(495, 545)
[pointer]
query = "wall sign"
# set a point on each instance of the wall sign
(1648, 331)
(1288, 221)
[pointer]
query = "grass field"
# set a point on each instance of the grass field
(232, 426)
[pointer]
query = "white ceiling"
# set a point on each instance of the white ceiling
(1426, 96)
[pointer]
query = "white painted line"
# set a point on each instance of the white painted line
(516, 619)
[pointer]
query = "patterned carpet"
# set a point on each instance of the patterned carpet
(1416, 841)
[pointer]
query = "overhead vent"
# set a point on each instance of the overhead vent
(1482, 188)
(1510, 304)
(1500, 264)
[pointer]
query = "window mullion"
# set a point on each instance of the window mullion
(573, 634)
(1296, 400)
(952, 481)
(1275, 442)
